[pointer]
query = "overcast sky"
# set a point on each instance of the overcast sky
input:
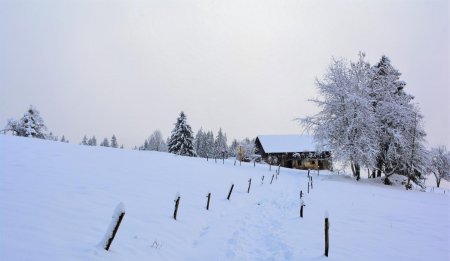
(129, 67)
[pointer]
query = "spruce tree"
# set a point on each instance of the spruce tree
(84, 141)
(114, 142)
(181, 140)
(105, 143)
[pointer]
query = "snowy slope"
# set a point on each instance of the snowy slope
(56, 202)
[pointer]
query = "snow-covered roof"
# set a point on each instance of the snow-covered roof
(287, 143)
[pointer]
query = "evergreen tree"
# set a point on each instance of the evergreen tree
(220, 144)
(121, 146)
(93, 141)
(114, 142)
(105, 143)
(63, 139)
(30, 125)
(199, 143)
(84, 141)
(181, 140)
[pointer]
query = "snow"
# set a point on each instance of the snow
(287, 143)
(56, 200)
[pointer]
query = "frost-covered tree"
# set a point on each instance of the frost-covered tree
(200, 143)
(440, 164)
(114, 142)
(84, 141)
(30, 125)
(209, 144)
(247, 146)
(396, 120)
(367, 119)
(220, 144)
(92, 141)
(63, 139)
(105, 143)
(234, 147)
(345, 123)
(156, 142)
(181, 140)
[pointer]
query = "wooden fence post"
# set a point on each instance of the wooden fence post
(308, 173)
(177, 202)
(273, 175)
(302, 204)
(117, 217)
(301, 194)
(249, 184)
(308, 187)
(231, 190)
(207, 204)
(262, 180)
(327, 225)
(207, 157)
(311, 183)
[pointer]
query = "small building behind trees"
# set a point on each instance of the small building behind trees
(292, 151)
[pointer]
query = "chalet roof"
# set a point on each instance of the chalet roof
(287, 143)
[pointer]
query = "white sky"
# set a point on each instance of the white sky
(129, 67)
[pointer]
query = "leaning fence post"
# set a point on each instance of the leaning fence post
(231, 190)
(273, 175)
(117, 217)
(209, 197)
(249, 184)
(327, 225)
(302, 204)
(177, 202)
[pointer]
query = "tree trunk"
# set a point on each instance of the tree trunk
(438, 182)
(357, 172)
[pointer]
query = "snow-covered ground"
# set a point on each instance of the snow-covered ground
(56, 203)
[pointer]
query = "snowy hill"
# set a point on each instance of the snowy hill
(56, 202)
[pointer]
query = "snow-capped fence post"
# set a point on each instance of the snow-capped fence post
(117, 217)
(308, 173)
(327, 226)
(302, 204)
(177, 202)
(311, 183)
(231, 190)
(273, 175)
(249, 184)
(278, 172)
(308, 186)
(262, 180)
(301, 194)
(209, 197)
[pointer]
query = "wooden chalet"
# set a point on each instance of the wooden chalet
(292, 151)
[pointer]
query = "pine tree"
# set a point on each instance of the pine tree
(93, 141)
(30, 125)
(181, 140)
(63, 139)
(114, 142)
(105, 143)
(84, 141)
(220, 144)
